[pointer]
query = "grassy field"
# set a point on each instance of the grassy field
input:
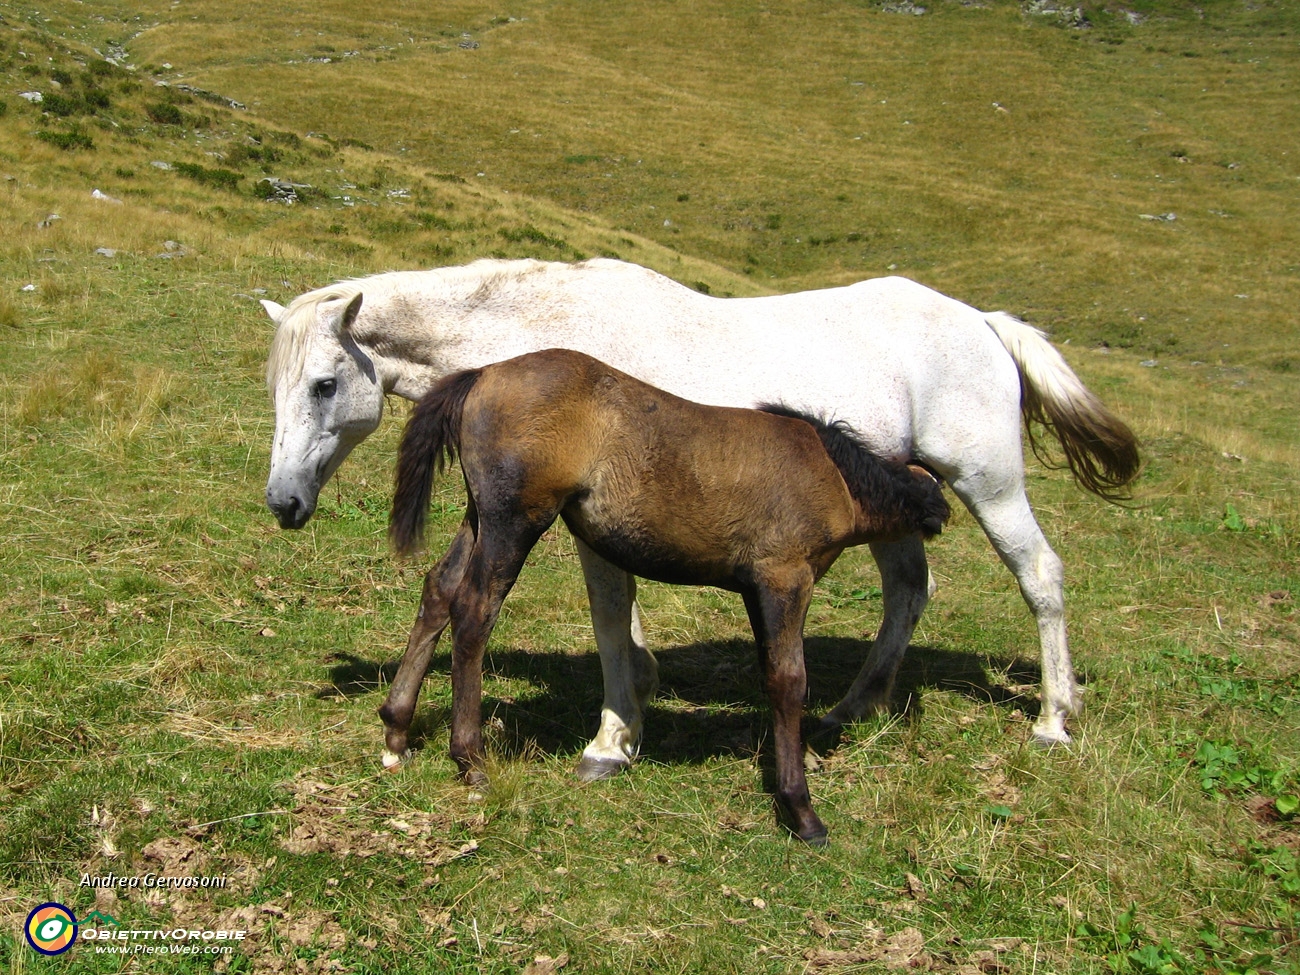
(187, 690)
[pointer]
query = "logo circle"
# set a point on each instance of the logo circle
(51, 928)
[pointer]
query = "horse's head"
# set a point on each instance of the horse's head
(327, 394)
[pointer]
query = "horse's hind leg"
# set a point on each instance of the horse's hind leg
(777, 608)
(1009, 523)
(439, 584)
(905, 588)
(631, 675)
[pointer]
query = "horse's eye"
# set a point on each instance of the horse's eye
(325, 388)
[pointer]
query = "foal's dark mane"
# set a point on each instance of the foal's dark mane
(875, 483)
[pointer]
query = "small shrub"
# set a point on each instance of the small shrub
(97, 99)
(61, 105)
(67, 141)
(221, 178)
(164, 113)
(242, 155)
(531, 234)
(104, 69)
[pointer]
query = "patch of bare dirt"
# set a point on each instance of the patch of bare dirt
(322, 818)
(278, 920)
(905, 951)
(328, 819)
(546, 965)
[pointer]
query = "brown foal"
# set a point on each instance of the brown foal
(759, 502)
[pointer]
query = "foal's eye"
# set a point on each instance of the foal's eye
(325, 388)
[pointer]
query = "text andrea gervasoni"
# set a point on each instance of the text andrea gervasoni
(151, 881)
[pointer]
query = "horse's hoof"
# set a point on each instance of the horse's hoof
(818, 839)
(596, 769)
(475, 777)
(828, 724)
(844, 713)
(1049, 737)
(824, 735)
(392, 760)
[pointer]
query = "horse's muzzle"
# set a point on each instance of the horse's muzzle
(290, 510)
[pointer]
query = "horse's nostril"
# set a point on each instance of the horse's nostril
(290, 511)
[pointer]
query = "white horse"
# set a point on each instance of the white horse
(924, 377)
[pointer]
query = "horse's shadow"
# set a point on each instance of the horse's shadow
(720, 678)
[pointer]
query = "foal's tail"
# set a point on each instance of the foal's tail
(1100, 450)
(431, 439)
(891, 495)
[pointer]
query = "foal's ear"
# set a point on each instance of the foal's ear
(276, 311)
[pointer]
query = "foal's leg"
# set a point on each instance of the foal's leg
(630, 672)
(777, 609)
(905, 586)
(1009, 523)
(492, 570)
(399, 707)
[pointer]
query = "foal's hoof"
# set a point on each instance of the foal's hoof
(596, 769)
(805, 825)
(814, 833)
(817, 839)
(392, 760)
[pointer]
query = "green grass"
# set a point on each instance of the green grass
(184, 688)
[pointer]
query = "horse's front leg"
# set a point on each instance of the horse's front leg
(494, 565)
(906, 586)
(776, 612)
(630, 672)
(440, 583)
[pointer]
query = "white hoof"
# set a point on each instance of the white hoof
(596, 769)
(1048, 737)
(391, 760)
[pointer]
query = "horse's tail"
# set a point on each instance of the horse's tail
(1100, 450)
(896, 498)
(430, 441)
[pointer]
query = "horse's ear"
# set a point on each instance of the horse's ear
(276, 311)
(350, 313)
